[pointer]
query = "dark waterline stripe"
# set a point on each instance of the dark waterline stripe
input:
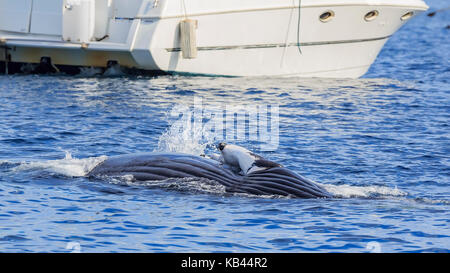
(206, 48)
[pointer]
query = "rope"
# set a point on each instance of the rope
(184, 9)
(298, 27)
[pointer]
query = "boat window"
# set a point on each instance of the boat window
(407, 16)
(371, 15)
(326, 16)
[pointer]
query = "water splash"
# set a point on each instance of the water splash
(185, 134)
(348, 191)
(90, 71)
(114, 71)
(68, 166)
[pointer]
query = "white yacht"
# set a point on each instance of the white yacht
(308, 38)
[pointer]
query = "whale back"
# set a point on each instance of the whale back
(282, 181)
(161, 166)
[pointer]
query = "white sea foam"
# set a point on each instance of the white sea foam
(90, 71)
(348, 191)
(114, 71)
(68, 166)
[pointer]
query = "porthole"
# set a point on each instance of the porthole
(371, 15)
(326, 16)
(407, 16)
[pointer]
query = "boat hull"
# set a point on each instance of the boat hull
(233, 38)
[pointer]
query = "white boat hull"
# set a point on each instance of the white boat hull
(233, 38)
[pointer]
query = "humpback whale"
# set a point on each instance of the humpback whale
(275, 180)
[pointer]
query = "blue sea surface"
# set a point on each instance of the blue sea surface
(381, 144)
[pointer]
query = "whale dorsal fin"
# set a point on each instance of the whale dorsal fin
(264, 163)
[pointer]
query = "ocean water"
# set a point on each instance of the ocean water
(381, 144)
